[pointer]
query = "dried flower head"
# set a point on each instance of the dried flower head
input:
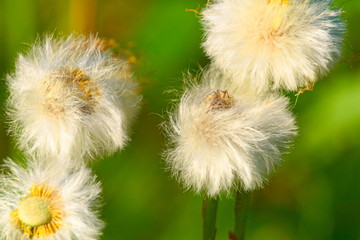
(71, 98)
(48, 201)
(273, 44)
(222, 138)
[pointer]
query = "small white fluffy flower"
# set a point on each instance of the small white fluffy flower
(71, 98)
(48, 202)
(222, 138)
(273, 44)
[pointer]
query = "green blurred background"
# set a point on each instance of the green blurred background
(315, 194)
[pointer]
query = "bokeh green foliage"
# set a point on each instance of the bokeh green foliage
(315, 194)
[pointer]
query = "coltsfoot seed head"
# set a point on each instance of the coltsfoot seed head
(48, 201)
(273, 44)
(223, 138)
(71, 98)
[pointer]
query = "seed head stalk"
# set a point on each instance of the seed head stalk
(209, 211)
(241, 207)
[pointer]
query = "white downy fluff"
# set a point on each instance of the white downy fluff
(273, 44)
(70, 98)
(223, 138)
(76, 194)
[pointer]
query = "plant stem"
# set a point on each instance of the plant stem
(209, 218)
(241, 206)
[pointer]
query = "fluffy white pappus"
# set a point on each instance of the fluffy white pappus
(273, 44)
(221, 138)
(71, 98)
(72, 198)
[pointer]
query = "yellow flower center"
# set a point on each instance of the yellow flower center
(34, 211)
(39, 213)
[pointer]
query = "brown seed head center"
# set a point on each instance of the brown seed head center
(219, 100)
(76, 83)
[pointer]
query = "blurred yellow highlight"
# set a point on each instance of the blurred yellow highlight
(278, 1)
(83, 16)
(282, 6)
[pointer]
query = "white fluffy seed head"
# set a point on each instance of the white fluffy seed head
(273, 44)
(71, 98)
(223, 138)
(70, 197)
